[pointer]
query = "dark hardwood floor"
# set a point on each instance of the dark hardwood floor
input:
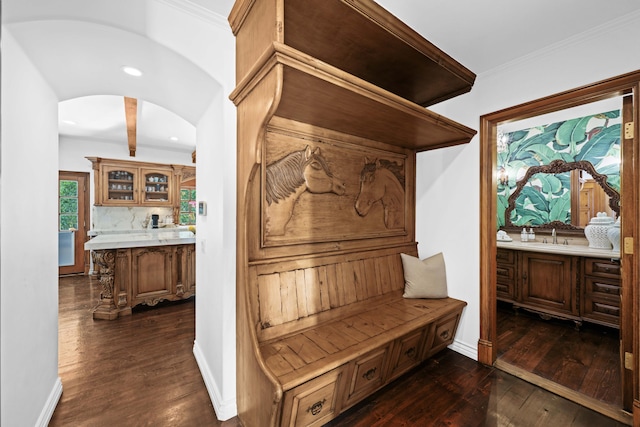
(586, 360)
(140, 371)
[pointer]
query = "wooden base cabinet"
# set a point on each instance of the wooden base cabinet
(563, 286)
(506, 274)
(548, 283)
(145, 275)
(601, 291)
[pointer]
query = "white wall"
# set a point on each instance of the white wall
(212, 47)
(215, 269)
(447, 200)
(28, 242)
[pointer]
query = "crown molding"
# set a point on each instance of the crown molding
(592, 33)
(199, 12)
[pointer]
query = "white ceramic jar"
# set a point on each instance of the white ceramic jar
(613, 234)
(597, 229)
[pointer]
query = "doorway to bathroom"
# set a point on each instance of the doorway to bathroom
(625, 88)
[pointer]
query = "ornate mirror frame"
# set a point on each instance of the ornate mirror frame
(560, 166)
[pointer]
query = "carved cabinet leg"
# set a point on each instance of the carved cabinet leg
(104, 263)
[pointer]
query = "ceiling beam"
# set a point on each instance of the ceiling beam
(131, 112)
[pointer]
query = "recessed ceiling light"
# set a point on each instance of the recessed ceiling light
(69, 122)
(132, 71)
(173, 138)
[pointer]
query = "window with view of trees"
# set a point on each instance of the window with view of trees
(188, 206)
(68, 205)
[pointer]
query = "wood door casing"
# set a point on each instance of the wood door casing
(629, 228)
(630, 302)
(81, 261)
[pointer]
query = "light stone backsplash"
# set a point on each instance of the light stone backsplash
(126, 218)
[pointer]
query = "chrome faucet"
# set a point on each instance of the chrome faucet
(554, 237)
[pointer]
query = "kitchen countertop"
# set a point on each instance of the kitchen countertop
(164, 229)
(578, 250)
(140, 239)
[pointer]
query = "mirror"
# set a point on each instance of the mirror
(549, 196)
(558, 170)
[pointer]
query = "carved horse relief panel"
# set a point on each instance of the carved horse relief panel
(287, 178)
(382, 181)
(318, 190)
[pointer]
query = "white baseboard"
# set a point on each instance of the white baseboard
(50, 405)
(224, 410)
(464, 349)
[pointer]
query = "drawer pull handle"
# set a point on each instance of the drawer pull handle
(316, 407)
(411, 352)
(444, 335)
(370, 374)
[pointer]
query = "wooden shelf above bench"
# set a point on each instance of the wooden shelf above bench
(324, 96)
(359, 37)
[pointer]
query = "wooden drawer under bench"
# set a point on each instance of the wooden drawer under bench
(327, 368)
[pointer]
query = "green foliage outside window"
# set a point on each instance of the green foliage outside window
(188, 206)
(68, 205)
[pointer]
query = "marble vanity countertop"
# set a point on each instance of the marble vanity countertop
(140, 239)
(164, 229)
(559, 248)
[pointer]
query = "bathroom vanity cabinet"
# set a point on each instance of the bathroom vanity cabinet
(548, 283)
(567, 286)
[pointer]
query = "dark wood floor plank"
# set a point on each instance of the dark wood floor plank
(531, 347)
(585, 360)
(134, 371)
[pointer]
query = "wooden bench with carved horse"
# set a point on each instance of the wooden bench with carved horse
(334, 329)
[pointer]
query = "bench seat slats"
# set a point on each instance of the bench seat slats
(301, 356)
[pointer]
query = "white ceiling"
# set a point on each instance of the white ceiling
(479, 35)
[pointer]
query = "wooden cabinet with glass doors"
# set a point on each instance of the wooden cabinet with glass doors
(126, 183)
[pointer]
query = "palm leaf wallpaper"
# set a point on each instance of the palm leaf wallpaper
(547, 197)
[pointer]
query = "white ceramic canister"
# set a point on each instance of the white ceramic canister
(613, 234)
(596, 231)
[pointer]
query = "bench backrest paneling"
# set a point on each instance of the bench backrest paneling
(290, 295)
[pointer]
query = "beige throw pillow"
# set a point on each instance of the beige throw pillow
(425, 278)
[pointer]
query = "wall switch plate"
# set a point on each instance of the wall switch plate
(202, 208)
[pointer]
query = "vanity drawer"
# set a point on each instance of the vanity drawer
(601, 310)
(602, 268)
(505, 274)
(367, 374)
(505, 256)
(315, 402)
(597, 286)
